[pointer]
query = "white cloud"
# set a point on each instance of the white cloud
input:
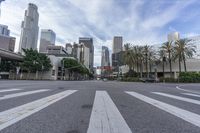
(100, 19)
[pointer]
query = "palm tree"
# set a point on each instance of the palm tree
(148, 54)
(184, 49)
(129, 56)
(162, 58)
(168, 48)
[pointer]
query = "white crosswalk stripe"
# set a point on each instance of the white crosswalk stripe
(8, 90)
(178, 98)
(105, 117)
(181, 113)
(16, 114)
(22, 94)
(190, 94)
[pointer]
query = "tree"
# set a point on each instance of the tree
(148, 54)
(73, 66)
(184, 49)
(168, 48)
(34, 61)
(128, 56)
(162, 58)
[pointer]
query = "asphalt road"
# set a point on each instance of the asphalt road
(98, 107)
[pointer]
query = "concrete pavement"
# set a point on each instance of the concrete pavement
(96, 106)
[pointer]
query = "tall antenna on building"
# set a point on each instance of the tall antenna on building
(0, 6)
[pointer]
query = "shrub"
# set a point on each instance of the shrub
(168, 80)
(130, 79)
(189, 77)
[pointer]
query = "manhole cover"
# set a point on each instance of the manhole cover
(86, 106)
(73, 131)
(61, 88)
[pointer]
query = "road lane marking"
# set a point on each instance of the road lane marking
(105, 117)
(181, 113)
(14, 115)
(178, 98)
(8, 90)
(177, 87)
(22, 94)
(190, 94)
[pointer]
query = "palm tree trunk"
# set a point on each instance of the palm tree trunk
(147, 72)
(170, 64)
(163, 69)
(141, 69)
(184, 60)
(179, 60)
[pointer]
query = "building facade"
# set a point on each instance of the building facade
(88, 42)
(7, 43)
(68, 48)
(56, 50)
(4, 30)
(117, 44)
(105, 57)
(48, 37)
(173, 36)
(29, 33)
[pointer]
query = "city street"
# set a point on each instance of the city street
(98, 107)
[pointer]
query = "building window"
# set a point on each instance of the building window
(53, 72)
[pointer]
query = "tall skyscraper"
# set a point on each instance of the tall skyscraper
(48, 37)
(4, 30)
(29, 33)
(68, 48)
(117, 44)
(173, 36)
(0, 6)
(88, 42)
(105, 60)
(6, 41)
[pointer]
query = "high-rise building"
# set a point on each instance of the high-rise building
(48, 37)
(85, 56)
(4, 30)
(56, 50)
(88, 42)
(0, 6)
(68, 48)
(29, 33)
(117, 44)
(6, 41)
(76, 51)
(105, 60)
(173, 36)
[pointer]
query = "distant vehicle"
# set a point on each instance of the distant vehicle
(105, 79)
(149, 80)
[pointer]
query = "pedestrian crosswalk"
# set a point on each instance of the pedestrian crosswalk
(105, 115)
(14, 115)
(190, 94)
(181, 113)
(8, 90)
(178, 98)
(21, 94)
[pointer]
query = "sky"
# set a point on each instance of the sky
(140, 22)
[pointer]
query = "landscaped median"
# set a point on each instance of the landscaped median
(184, 77)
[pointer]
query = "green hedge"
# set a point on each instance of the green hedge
(189, 77)
(168, 80)
(130, 79)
